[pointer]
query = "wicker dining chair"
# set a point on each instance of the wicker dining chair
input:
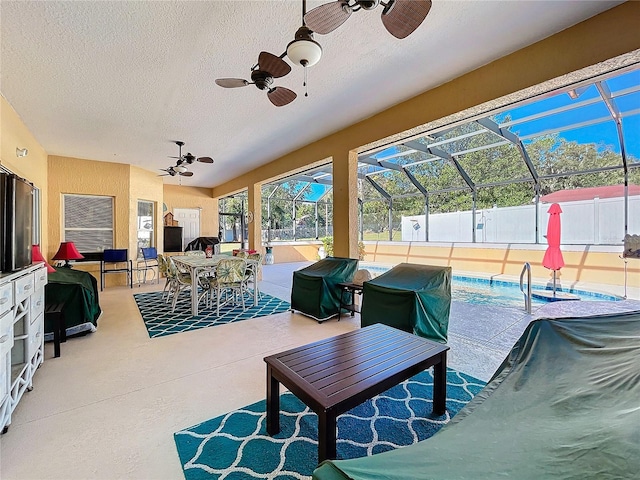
(229, 282)
(180, 281)
(252, 273)
(163, 268)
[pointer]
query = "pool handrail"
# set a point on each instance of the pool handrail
(527, 296)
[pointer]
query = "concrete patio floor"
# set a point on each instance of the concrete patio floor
(109, 405)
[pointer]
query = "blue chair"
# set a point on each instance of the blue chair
(116, 261)
(149, 262)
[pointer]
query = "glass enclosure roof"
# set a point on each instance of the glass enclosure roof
(586, 128)
(311, 186)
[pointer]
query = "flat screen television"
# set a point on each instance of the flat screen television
(16, 222)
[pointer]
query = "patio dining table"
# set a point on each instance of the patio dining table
(197, 265)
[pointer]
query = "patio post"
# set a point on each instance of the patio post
(345, 204)
(254, 216)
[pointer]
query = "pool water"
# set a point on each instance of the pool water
(482, 291)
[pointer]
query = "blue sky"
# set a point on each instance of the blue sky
(605, 133)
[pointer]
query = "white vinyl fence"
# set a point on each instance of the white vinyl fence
(591, 222)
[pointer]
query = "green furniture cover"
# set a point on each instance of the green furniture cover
(565, 404)
(315, 291)
(78, 290)
(410, 297)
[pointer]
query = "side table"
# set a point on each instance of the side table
(55, 313)
(352, 288)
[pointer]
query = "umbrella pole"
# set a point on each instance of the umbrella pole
(554, 283)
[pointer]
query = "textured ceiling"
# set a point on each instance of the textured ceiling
(117, 81)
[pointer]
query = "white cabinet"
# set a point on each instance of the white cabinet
(6, 298)
(6, 343)
(21, 335)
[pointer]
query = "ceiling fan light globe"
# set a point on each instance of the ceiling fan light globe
(304, 52)
(180, 169)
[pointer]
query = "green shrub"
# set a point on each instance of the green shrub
(328, 247)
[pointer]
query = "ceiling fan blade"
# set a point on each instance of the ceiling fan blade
(281, 96)
(277, 67)
(326, 18)
(231, 82)
(402, 17)
(186, 174)
(205, 159)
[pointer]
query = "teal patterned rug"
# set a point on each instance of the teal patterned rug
(235, 446)
(159, 320)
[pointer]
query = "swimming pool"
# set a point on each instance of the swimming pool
(482, 291)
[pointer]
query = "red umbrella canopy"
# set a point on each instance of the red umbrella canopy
(553, 256)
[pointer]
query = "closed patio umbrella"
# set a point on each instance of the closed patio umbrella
(553, 256)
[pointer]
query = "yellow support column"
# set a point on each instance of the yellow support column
(345, 204)
(254, 212)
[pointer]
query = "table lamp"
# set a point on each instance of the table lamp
(67, 251)
(36, 256)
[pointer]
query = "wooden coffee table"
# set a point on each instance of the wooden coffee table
(334, 375)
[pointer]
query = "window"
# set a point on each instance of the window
(145, 224)
(88, 222)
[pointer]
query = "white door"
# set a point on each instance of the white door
(189, 220)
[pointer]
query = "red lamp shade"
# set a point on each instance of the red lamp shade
(36, 256)
(67, 251)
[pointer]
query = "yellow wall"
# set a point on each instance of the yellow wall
(586, 264)
(178, 196)
(300, 252)
(583, 264)
(87, 177)
(145, 185)
(14, 134)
